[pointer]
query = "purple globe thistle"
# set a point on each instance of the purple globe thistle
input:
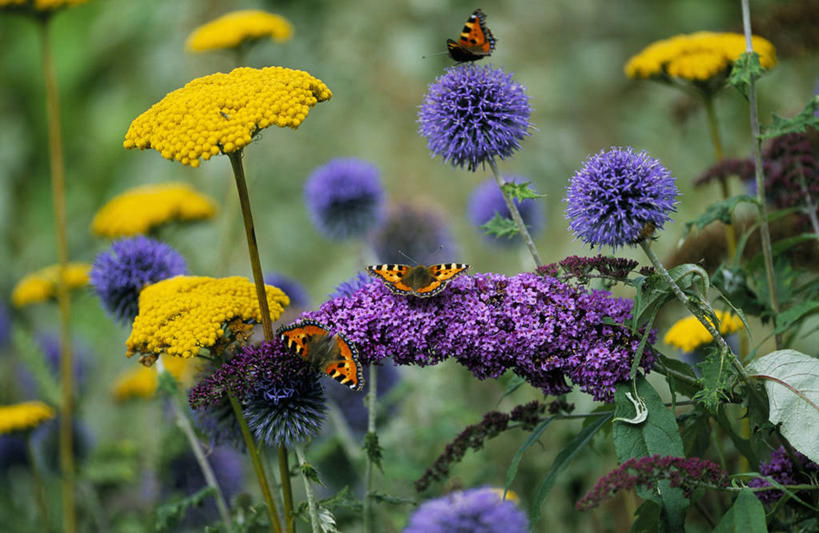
(781, 468)
(345, 198)
(120, 273)
(617, 195)
(421, 233)
(473, 114)
(476, 510)
(487, 200)
(346, 288)
(292, 288)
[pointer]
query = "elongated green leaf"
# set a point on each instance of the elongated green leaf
(721, 211)
(792, 382)
(680, 386)
(654, 292)
(805, 119)
(782, 246)
(513, 385)
(789, 317)
(531, 439)
(746, 515)
(561, 462)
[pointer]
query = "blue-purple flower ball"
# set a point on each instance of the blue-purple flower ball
(415, 234)
(346, 288)
(120, 273)
(619, 197)
(487, 200)
(292, 288)
(474, 510)
(345, 198)
(473, 114)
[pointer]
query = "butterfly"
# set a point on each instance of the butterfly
(475, 42)
(422, 281)
(331, 353)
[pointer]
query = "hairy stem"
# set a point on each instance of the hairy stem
(513, 210)
(368, 469)
(716, 140)
(55, 145)
(308, 490)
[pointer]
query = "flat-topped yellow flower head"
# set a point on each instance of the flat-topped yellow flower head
(696, 57)
(221, 113)
(139, 210)
(24, 416)
(142, 381)
(39, 5)
(234, 29)
(689, 334)
(184, 315)
(41, 285)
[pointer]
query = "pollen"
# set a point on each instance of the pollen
(41, 285)
(234, 29)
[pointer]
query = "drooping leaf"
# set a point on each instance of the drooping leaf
(721, 211)
(500, 226)
(717, 380)
(792, 382)
(805, 119)
(746, 67)
(790, 317)
(520, 191)
(531, 439)
(746, 515)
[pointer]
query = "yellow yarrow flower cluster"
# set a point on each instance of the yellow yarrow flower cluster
(221, 113)
(142, 381)
(182, 315)
(24, 416)
(234, 29)
(40, 5)
(41, 285)
(697, 56)
(137, 211)
(689, 334)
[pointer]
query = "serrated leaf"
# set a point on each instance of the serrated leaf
(327, 521)
(718, 378)
(722, 211)
(500, 226)
(792, 383)
(746, 68)
(786, 319)
(310, 473)
(373, 448)
(805, 119)
(531, 439)
(746, 515)
(520, 191)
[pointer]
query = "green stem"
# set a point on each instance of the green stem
(513, 210)
(308, 489)
(55, 144)
(368, 469)
(716, 140)
(38, 483)
(258, 466)
(287, 490)
(764, 230)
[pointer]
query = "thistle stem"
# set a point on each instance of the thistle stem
(368, 469)
(513, 210)
(308, 490)
(287, 489)
(716, 140)
(55, 144)
(37, 478)
(756, 143)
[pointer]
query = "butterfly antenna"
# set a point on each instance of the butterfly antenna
(410, 259)
(433, 55)
(440, 247)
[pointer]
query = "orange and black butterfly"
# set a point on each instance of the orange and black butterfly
(475, 42)
(330, 353)
(422, 281)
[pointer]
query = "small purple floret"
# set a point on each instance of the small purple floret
(475, 510)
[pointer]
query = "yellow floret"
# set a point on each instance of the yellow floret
(180, 315)
(689, 334)
(138, 382)
(141, 209)
(41, 285)
(697, 56)
(233, 29)
(225, 111)
(24, 416)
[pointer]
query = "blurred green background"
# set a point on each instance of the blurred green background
(115, 58)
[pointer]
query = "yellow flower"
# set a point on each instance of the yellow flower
(689, 334)
(23, 416)
(697, 56)
(181, 315)
(138, 382)
(139, 210)
(40, 5)
(221, 113)
(41, 285)
(234, 29)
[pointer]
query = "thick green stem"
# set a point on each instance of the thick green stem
(716, 140)
(37, 478)
(55, 145)
(513, 210)
(756, 145)
(368, 469)
(287, 489)
(308, 490)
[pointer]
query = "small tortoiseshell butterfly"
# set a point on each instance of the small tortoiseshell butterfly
(475, 42)
(333, 354)
(422, 281)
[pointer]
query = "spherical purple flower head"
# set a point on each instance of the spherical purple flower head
(352, 405)
(543, 329)
(346, 288)
(487, 200)
(218, 422)
(292, 288)
(49, 343)
(5, 326)
(781, 468)
(616, 194)
(421, 233)
(475, 510)
(473, 114)
(345, 198)
(120, 273)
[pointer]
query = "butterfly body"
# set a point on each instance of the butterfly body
(333, 354)
(421, 281)
(475, 41)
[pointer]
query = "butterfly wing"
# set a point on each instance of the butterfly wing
(442, 274)
(346, 370)
(342, 364)
(295, 336)
(392, 276)
(475, 42)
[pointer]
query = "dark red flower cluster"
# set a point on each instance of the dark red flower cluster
(583, 268)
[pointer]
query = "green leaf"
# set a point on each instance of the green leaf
(373, 448)
(531, 439)
(805, 119)
(718, 378)
(172, 513)
(745, 69)
(781, 246)
(563, 459)
(310, 473)
(746, 515)
(638, 355)
(648, 518)
(32, 356)
(675, 385)
(786, 319)
(696, 432)
(501, 227)
(514, 384)
(733, 284)
(520, 191)
(722, 211)
(792, 382)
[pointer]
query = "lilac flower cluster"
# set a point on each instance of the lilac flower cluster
(475, 510)
(687, 473)
(543, 329)
(782, 468)
(744, 168)
(582, 268)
